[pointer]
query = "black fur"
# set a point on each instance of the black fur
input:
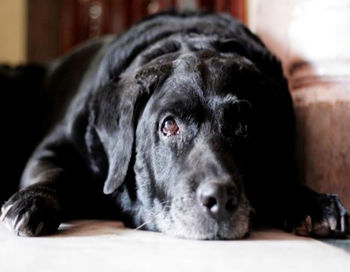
(106, 155)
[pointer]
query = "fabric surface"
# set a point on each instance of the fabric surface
(108, 246)
(312, 38)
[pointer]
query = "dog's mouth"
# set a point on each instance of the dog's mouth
(185, 220)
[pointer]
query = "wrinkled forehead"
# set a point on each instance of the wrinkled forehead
(209, 76)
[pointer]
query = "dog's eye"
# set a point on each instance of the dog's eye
(241, 130)
(169, 127)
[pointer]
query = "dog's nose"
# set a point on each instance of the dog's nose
(220, 200)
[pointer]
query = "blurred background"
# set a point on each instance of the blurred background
(311, 37)
(39, 30)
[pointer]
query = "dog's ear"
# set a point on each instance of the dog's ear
(116, 113)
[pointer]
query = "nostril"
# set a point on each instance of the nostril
(209, 202)
(231, 204)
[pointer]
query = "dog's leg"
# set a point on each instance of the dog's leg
(318, 215)
(58, 185)
(297, 208)
(304, 210)
(34, 211)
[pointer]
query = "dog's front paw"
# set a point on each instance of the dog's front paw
(31, 213)
(328, 218)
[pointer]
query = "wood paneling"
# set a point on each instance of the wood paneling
(54, 26)
(43, 29)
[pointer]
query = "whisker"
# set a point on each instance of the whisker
(153, 214)
(143, 224)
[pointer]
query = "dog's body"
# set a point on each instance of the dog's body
(183, 125)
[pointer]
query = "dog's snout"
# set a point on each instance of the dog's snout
(219, 200)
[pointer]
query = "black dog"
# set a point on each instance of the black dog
(182, 125)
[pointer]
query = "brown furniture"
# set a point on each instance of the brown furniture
(313, 40)
(55, 26)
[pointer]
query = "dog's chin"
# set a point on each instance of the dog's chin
(213, 232)
(199, 226)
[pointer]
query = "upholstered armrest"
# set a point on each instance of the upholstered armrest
(313, 40)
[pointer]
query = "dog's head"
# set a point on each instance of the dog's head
(178, 128)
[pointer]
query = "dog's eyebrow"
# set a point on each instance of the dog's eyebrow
(216, 100)
(165, 48)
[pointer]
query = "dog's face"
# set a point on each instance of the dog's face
(186, 140)
(193, 142)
